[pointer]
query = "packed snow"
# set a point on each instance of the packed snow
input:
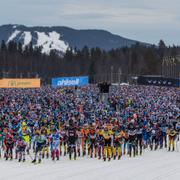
(13, 36)
(50, 41)
(152, 165)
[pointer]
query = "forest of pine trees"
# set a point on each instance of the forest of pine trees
(28, 62)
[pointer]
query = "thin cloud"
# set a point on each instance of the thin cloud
(138, 19)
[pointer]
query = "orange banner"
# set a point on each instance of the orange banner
(20, 83)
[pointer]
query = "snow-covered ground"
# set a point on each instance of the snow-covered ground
(152, 165)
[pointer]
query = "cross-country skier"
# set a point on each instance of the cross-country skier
(178, 129)
(92, 142)
(20, 148)
(40, 141)
(72, 138)
(9, 142)
(63, 140)
(100, 143)
(117, 143)
(25, 133)
(132, 135)
(55, 144)
(45, 152)
(139, 139)
(172, 136)
(107, 144)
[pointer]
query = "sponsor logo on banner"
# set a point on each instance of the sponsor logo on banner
(70, 81)
(158, 81)
(20, 83)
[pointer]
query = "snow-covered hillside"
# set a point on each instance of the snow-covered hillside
(13, 36)
(60, 38)
(48, 41)
(152, 165)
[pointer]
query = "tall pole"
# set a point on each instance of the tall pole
(112, 74)
(119, 75)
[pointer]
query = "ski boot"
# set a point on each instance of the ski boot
(84, 152)
(79, 154)
(28, 151)
(34, 161)
(11, 158)
(70, 156)
(134, 154)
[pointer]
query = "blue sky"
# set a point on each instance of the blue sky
(144, 20)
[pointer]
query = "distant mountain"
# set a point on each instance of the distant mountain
(61, 38)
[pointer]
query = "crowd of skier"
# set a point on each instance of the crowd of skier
(76, 122)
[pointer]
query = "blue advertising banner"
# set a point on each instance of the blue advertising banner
(70, 81)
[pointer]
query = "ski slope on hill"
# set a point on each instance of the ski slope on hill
(152, 165)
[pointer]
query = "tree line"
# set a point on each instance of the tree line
(17, 61)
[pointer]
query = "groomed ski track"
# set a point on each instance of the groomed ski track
(152, 165)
